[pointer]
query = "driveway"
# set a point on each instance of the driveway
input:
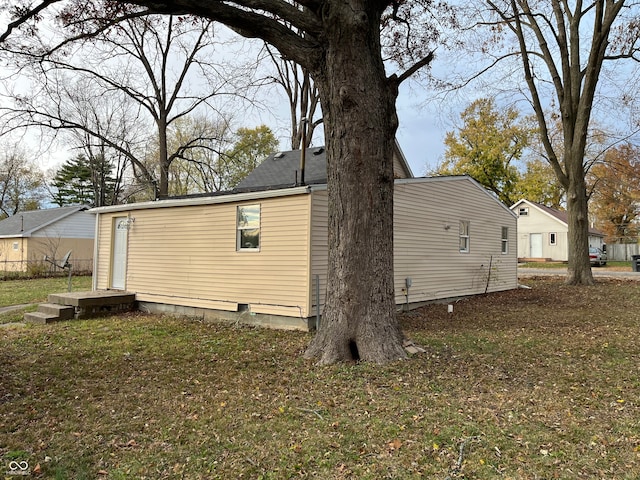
(11, 308)
(598, 272)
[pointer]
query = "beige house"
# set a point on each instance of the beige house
(261, 256)
(542, 232)
(27, 237)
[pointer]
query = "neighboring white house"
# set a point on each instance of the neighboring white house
(542, 232)
(260, 255)
(26, 237)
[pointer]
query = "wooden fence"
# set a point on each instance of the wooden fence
(622, 252)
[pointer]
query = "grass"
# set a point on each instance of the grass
(21, 292)
(539, 383)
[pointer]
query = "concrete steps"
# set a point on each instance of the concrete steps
(66, 306)
(50, 312)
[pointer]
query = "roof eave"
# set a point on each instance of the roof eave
(220, 199)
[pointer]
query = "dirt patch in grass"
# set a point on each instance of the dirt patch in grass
(539, 383)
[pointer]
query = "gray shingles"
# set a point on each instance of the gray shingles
(23, 223)
(280, 169)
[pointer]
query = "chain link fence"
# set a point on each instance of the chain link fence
(40, 268)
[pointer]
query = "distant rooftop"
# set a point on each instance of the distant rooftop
(22, 224)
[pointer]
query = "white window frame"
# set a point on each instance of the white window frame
(240, 228)
(553, 238)
(504, 242)
(16, 246)
(523, 211)
(465, 236)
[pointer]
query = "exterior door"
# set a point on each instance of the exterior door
(119, 255)
(535, 242)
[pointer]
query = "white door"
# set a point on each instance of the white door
(119, 256)
(535, 242)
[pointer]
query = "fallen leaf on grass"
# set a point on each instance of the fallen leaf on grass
(395, 444)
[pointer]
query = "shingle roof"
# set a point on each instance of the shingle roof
(23, 224)
(281, 169)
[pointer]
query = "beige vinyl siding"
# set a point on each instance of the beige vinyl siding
(427, 240)
(81, 250)
(33, 250)
(187, 256)
(398, 169)
(319, 245)
(10, 259)
(102, 261)
(425, 251)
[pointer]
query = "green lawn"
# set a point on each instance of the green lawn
(19, 292)
(539, 383)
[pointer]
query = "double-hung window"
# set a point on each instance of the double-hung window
(248, 228)
(505, 241)
(464, 236)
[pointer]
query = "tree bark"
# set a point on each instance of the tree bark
(163, 160)
(579, 265)
(358, 104)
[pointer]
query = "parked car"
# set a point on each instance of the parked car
(597, 256)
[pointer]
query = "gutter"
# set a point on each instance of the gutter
(188, 202)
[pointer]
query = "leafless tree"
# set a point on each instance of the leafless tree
(302, 95)
(561, 50)
(157, 69)
(21, 182)
(199, 167)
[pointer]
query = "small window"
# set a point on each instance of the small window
(248, 231)
(552, 238)
(505, 240)
(464, 236)
(523, 211)
(16, 246)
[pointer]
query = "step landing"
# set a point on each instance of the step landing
(66, 306)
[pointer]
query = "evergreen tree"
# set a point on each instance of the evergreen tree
(83, 181)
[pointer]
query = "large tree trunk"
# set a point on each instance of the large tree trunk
(579, 268)
(359, 321)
